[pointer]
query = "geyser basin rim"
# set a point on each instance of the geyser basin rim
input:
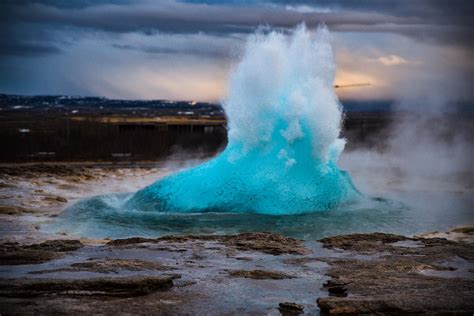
(92, 218)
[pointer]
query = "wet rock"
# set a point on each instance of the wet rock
(56, 245)
(123, 287)
(260, 274)
(362, 242)
(301, 261)
(12, 253)
(336, 288)
(6, 185)
(378, 243)
(463, 233)
(13, 210)
(33, 170)
(391, 280)
(464, 230)
(55, 199)
(269, 243)
(67, 186)
(115, 265)
(130, 241)
(243, 258)
(110, 266)
(289, 308)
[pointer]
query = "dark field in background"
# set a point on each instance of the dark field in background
(58, 128)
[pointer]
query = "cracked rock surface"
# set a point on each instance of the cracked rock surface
(404, 276)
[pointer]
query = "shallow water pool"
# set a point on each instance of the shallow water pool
(401, 212)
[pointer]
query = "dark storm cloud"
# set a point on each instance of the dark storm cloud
(457, 12)
(174, 17)
(27, 49)
(447, 21)
(432, 20)
(20, 40)
(43, 42)
(202, 51)
(178, 17)
(72, 4)
(392, 7)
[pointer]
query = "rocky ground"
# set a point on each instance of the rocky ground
(405, 276)
(249, 273)
(33, 194)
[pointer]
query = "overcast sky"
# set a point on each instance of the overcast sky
(183, 50)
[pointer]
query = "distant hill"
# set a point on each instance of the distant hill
(96, 105)
(57, 102)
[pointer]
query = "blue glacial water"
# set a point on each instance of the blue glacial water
(284, 122)
(279, 171)
(409, 212)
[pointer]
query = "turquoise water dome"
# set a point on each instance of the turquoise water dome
(284, 124)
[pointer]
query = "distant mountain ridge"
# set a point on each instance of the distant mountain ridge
(77, 101)
(18, 102)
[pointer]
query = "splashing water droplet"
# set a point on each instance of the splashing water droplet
(284, 122)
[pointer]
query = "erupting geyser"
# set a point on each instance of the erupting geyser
(284, 123)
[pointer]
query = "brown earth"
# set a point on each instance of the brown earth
(12, 253)
(393, 282)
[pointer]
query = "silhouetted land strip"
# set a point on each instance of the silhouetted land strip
(62, 128)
